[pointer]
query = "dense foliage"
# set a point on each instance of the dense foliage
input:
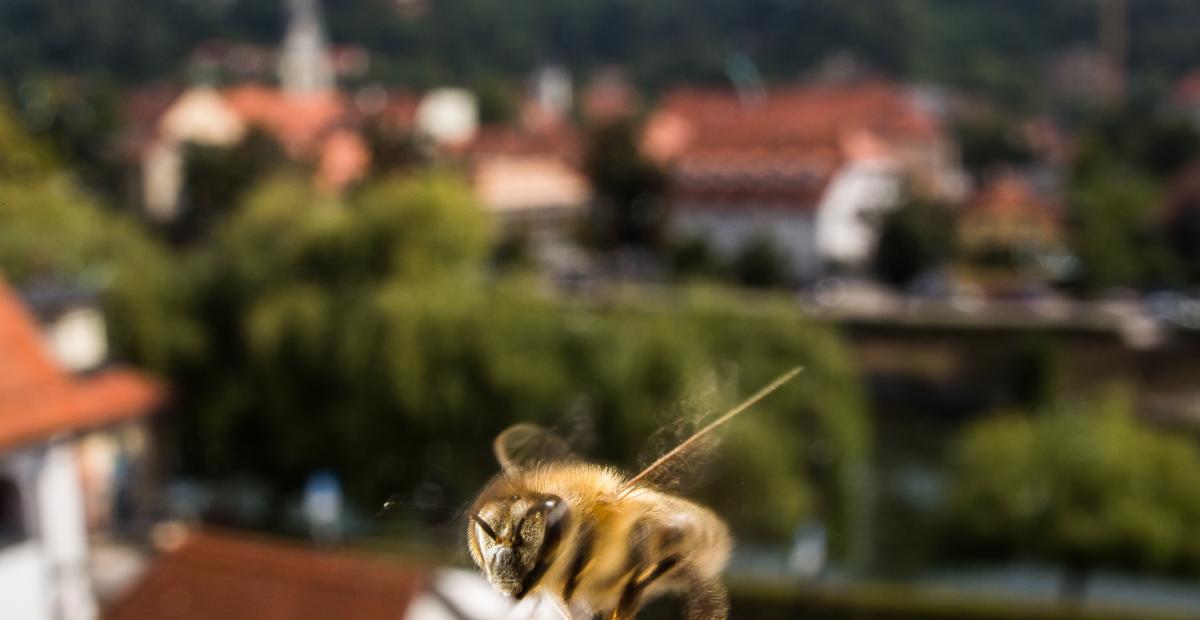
(1086, 486)
(993, 46)
(50, 229)
(358, 336)
(914, 238)
(630, 189)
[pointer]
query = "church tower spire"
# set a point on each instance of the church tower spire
(304, 62)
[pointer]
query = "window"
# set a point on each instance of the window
(12, 513)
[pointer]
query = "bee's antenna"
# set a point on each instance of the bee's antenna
(484, 525)
(744, 405)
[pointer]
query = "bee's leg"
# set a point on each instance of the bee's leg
(631, 596)
(706, 599)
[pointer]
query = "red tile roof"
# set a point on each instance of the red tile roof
(238, 577)
(1010, 211)
(560, 142)
(814, 116)
(783, 149)
(1012, 195)
(299, 122)
(345, 159)
(38, 399)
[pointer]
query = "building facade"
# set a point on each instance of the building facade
(65, 446)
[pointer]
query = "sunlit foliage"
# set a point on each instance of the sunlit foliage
(364, 336)
(51, 229)
(1087, 486)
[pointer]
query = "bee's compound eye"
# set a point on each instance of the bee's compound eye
(554, 508)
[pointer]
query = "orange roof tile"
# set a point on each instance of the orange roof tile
(344, 160)
(783, 149)
(1012, 195)
(560, 142)
(299, 122)
(38, 399)
(238, 577)
(797, 117)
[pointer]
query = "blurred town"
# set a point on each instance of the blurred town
(266, 265)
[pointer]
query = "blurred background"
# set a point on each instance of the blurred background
(266, 265)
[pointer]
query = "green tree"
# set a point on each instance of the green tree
(79, 120)
(693, 257)
(1085, 486)
(914, 238)
(761, 263)
(1114, 235)
(357, 336)
(988, 143)
(51, 228)
(630, 209)
(217, 176)
(499, 102)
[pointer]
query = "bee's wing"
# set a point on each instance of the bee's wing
(703, 398)
(672, 468)
(523, 445)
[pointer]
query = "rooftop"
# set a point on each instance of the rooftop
(815, 116)
(782, 148)
(38, 399)
(240, 577)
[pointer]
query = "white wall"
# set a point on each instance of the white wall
(63, 532)
(730, 228)
(848, 214)
(24, 592)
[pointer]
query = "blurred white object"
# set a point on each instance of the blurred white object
(77, 339)
(323, 506)
(851, 207)
(448, 116)
(202, 116)
(305, 66)
(809, 550)
(455, 594)
(552, 89)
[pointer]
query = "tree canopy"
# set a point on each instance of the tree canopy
(1084, 485)
(50, 228)
(363, 335)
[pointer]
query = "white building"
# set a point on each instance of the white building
(305, 65)
(66, 443)
(810, 169)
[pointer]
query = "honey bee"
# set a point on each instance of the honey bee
(592, 540)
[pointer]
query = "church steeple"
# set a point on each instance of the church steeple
(304, 63)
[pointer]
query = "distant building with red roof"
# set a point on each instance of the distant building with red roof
(313, 121)
(804, 166)
(62, 436)
(530, 179)
(1010, 231)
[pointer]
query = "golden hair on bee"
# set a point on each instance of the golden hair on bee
(593, 540)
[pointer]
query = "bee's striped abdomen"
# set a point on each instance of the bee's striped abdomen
(580, 554)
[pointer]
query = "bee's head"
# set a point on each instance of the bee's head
(511, 538)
